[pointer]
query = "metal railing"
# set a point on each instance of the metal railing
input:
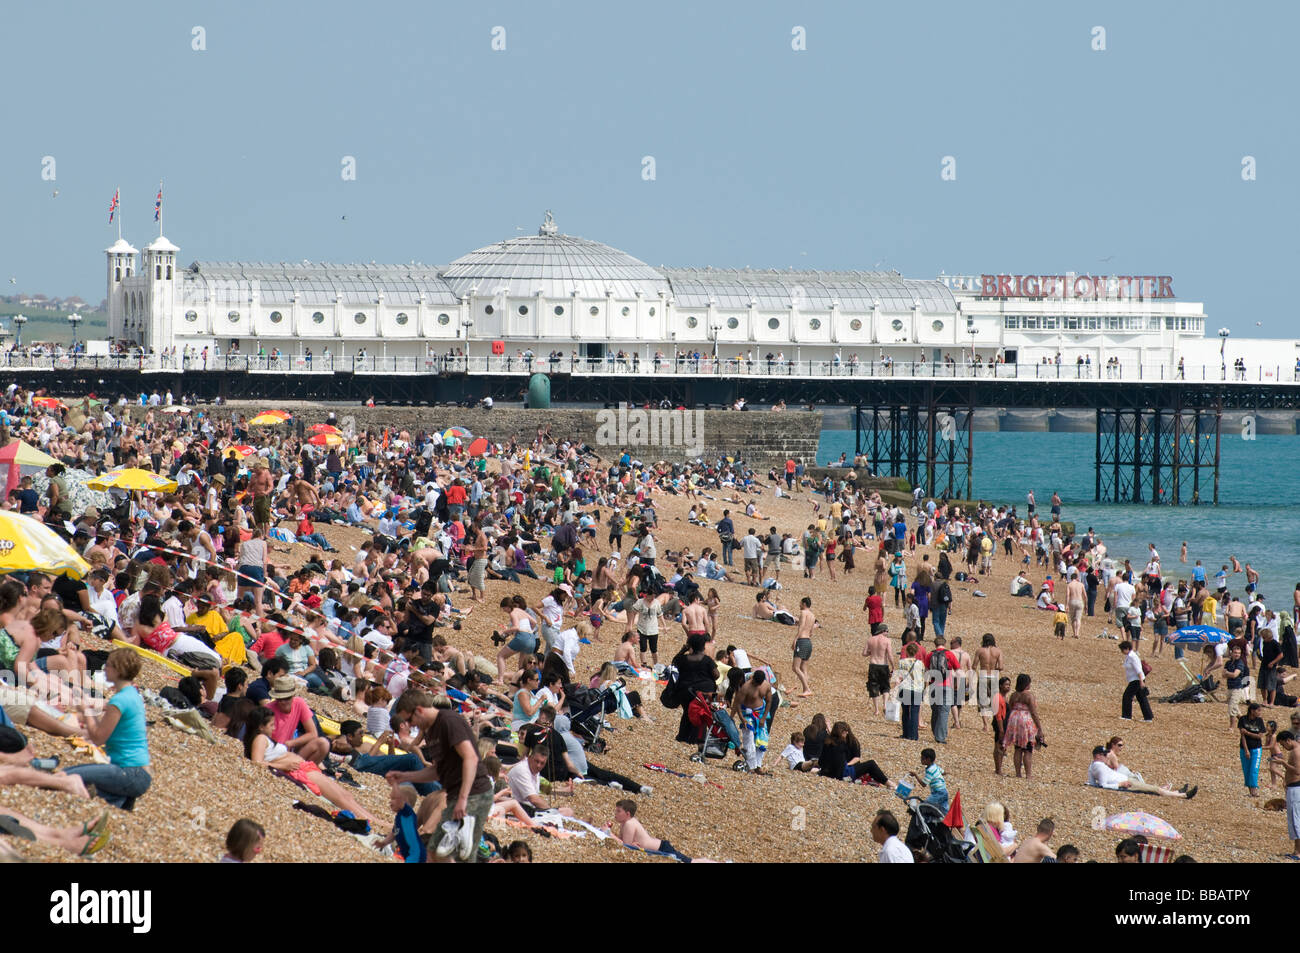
(682, 365)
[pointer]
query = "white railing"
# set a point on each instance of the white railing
(651, 367)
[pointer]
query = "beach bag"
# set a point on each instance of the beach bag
(893, 711)
(1146, 669)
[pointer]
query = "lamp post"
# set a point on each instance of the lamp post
(715, 327)
(1223, 344)
(19, 320)
(972, 331)
(467, 323)
(74, 319)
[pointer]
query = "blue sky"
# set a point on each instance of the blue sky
(764, 156)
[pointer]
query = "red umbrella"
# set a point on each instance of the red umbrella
(324, 428)
(49, 403)
(479, 447)
(325, 440)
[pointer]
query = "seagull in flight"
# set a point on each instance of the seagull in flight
(1106, 259)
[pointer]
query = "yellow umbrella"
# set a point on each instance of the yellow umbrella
(27, 545)
(132, 478)
(268, 419)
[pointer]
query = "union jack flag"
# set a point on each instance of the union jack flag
(112, 206)
(157, 205)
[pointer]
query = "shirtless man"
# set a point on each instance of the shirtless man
(1235, 613)
(1291, 762)
(988, 668)
(1076, 594)
(1035, 850)
(630, 832)
(1252, 578)
(880, 666)
(304, 494)
(695, 615)
(963, 678)
(261, 485)
(626, 652)
(749, 710)
(802, 646)
(763, 609)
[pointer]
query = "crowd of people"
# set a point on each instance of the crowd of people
(195, 575)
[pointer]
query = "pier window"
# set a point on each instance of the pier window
(1050, 323)
(1071, 323)
(937, 326)
(626, 311)
(652, 312)
(896, 324)
(772, 323)
(523, 309)
(191, 316)
(488, 309)
(814, 323)
(559, 310)
(276, 317)
(318, 317)
(402, 317)
(1092, 324)
(1029, 322)
(692, 321)
(233, 316)
(855, 324)
(1011, 322)
(594, 312)
(444, 319)
(359, 317)
(733, 323)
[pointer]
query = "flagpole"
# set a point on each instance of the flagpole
(160, 229)
(117, 194)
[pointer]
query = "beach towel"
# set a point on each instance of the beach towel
(191, 722)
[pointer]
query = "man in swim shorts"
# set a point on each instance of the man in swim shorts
(880, 666)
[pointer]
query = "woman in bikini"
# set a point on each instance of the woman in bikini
(260, 749)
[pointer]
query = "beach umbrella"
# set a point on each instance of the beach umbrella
(326, 440)
(271, 418)
(133, 478)
(47, 403)
(325, 428)
(1140, 822)
(456, 433)
(27, 545)
(478, 447)
(1199, 635)
(241, 450)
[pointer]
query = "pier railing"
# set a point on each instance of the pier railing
(683, 365)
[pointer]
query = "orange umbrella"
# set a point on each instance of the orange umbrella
(325, 428)
(242, 449)
(48, 403)
(326, 440)
(478, 447)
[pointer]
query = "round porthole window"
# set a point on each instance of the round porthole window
(814, 323)
(559, 310)
(652, 312)
(896, 324)
(692, 321)
(937, 326)
(233, 316)
(594, 311)
(276, 317)
(191, 316)
(626, 311)
(488, 309)
(444, 319)
(318, 317)
(523, 309)
(773, 323)
(855, 324)
(359, 317)
(402, 317)
(733, 323)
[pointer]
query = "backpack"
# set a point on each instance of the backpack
(945, 594)
(939, 662)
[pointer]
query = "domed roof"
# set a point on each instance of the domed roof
(554, 264)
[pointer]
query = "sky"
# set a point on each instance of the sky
(685, 134)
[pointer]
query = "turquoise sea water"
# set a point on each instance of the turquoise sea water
(1257, 521)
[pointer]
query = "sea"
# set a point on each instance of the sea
(1256, 519)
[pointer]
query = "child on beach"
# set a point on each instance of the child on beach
(711, 604)
(932, 778)
(629, 830)
(793, 754)
(244, 842)
(1060, 620)
(406, 828)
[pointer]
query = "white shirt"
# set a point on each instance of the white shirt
(1133, 666)
(793, 756)
(1103, 775)
(894, 851)
(174, 610)
(523, 783)
(1123, 594)
(567, 644)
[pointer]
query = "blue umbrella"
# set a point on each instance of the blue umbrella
(1199, 635)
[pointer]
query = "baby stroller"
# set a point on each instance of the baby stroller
(713, 737)
(587, 711)
(928, 832)
(1192, 692)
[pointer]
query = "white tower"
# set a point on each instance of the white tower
(159, 268)
(121, 265)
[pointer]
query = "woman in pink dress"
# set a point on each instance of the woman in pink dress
(1023, 726)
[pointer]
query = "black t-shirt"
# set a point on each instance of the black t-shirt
(259, 690)
(813, 744)
(1252, 724)
(1269, 649)
(69, 590)
(831, 760)
(29, 500)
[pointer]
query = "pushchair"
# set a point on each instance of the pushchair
(1194, 691)
(587, 711)
(712, 725)
(927, 831)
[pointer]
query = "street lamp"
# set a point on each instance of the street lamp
(20, 320)
(74, 319)
(715, 327)
(467, 323)
(1223, 343)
